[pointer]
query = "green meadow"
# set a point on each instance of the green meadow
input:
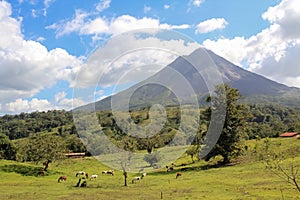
(246, 178)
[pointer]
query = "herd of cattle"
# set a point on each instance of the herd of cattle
(83, 176)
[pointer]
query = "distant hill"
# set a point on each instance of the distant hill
(202, 69)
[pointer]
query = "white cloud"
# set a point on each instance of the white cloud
(133, 60)
(31, 105)
(40, 39)
(287, 16)
(102, 5)
(24, 105)
(147, 9)
(211, 25)
(166, 6)
(82, 24)
(34, 13)
(99, 95)
(274, 51)
(26, 66)
(62, 102)
(47, 4)
(197, 3)
(67, 27)
(59, 96)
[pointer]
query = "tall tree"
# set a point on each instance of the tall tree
(235, 124)
(45, 149)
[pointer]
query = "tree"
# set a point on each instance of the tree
(129, 145)
(287, 172)
(277, 163)
(7, 148)
(74, 144)
(152, 158)
(235, 124)
(44, 148)
(193, 151)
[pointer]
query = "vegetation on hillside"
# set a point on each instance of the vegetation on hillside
(24, 124)
(242, 122)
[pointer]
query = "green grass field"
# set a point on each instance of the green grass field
(247, 179)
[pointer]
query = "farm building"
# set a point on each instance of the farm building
(291, 134)
(75, 155)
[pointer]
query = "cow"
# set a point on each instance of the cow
(178, 174)
(136, 179)
(93, 177)
(61, 178)
(110, 172)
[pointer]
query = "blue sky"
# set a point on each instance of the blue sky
(44, 45)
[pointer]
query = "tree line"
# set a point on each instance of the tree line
(242, 121)
(24, 124)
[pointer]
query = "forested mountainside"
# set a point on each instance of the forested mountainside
(266, 121)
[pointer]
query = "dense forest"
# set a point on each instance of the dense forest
(24, 124)
(266, 121)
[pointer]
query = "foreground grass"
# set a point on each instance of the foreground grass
(247, 180)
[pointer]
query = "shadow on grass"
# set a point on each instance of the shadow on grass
(191, 168)
(21, 169)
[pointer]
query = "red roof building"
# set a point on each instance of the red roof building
(290, 134)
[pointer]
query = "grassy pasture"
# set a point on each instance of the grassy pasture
(246, 180)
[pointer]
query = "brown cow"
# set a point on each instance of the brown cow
(178, 174)
(62, 178)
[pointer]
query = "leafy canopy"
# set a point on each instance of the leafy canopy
(235, 124)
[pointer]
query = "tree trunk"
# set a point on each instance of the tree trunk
(46, 164)
(225, 159)
(192, 156)
(149, 149)
(125, 178)
(296, 184)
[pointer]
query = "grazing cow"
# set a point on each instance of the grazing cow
(41, 173)
(110, 172)
(62, 178)
(143, 175)
(94, 176)
(169, 168)
(178, 174)
(104, 172)
(78, 183)
(82, 173)
(136, 179)
(83, 184)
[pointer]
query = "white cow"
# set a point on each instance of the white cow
(93, 177)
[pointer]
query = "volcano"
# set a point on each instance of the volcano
(195, 76)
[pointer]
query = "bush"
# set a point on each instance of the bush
(7, 149)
